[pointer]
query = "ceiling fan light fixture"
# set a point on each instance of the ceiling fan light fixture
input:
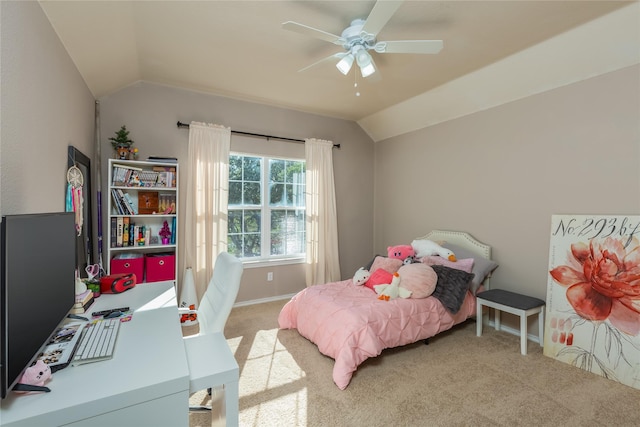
(362, 56)
(368, 69)
(345, 64)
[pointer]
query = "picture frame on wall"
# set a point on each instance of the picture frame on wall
(593, 295)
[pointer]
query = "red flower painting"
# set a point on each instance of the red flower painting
(603, 282)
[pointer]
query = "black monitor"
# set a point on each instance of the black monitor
(37, 286)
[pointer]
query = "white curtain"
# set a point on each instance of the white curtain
(322, 226)
(207, 199)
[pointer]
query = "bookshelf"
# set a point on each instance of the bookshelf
(143, 200)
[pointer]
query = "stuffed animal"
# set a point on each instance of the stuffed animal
(424, 247)
(361, 276)
(410, 260)
(400, 252)
(392, 290)
(37, 374)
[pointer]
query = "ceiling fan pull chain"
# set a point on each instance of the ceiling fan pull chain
(355, 83)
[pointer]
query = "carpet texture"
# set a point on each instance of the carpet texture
(457, 380)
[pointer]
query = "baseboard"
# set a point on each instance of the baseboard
(513, 331)
(263, 300)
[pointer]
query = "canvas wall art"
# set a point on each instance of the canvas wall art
(593, 295)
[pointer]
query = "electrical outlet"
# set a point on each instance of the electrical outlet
(269, 276)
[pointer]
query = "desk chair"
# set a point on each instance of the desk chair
(213, 312)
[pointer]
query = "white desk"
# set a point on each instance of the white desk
(145, 384)
(211, 357)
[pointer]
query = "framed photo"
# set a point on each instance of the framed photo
(593, 295)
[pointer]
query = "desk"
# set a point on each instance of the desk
(146, 383)
(210, 356)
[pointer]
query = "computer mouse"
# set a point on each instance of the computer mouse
(113, 314)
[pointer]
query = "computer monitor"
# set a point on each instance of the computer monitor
(37, 286)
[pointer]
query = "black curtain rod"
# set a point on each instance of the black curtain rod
(257, 135)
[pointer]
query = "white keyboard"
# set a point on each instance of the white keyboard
(98, 341)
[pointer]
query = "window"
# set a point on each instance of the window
(266, 207)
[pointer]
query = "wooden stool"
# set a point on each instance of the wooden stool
(511, 302)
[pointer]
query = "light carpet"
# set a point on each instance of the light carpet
(457, 380)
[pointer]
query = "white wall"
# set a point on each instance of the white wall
(45, 105)
(500, 174)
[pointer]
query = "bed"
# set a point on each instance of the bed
(350, 324)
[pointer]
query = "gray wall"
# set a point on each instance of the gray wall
(151, 112)
(45, 107)
(500, 174)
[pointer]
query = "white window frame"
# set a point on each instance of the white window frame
(265, 220)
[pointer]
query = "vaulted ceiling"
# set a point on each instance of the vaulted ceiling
(239, 48)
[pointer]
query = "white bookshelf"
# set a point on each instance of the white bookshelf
(144, 185)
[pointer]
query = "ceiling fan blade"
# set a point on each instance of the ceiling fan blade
(381, 13)
(335, 57)
(313, 32)
(409, 46)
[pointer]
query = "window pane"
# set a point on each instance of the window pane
(276, 170)
(287, 232)
(294, 169)
(297, 197)
(234, 244)
(252, 193)
(251, 245)
(252, 220)
(235, 168)
(235, 193)
(276, 195)
(235, 222)
(251, 169)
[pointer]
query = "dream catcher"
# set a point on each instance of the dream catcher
(75, 199)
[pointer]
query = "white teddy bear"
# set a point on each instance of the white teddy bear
(361, 276)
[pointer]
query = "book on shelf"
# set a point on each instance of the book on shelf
(129, 200)
(121, 204)
(114, 231)
(125, 231)
(116, 201)
(119, 232)
(127, 166)
(126, 207)
(122, 176)
(132, 234)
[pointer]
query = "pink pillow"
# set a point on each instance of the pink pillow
(465, 264)
(379, 277)
(420, 279)
(390, 264)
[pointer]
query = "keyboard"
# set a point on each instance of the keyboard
(98, 341)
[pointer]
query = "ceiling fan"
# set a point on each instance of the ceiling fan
(360, 38)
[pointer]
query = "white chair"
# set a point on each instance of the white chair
(211, 362)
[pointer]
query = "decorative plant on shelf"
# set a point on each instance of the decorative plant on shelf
(123, 145)
(165, 233)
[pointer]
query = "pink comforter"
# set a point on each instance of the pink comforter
(349, 324)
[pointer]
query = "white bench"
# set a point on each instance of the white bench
(511, 302)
